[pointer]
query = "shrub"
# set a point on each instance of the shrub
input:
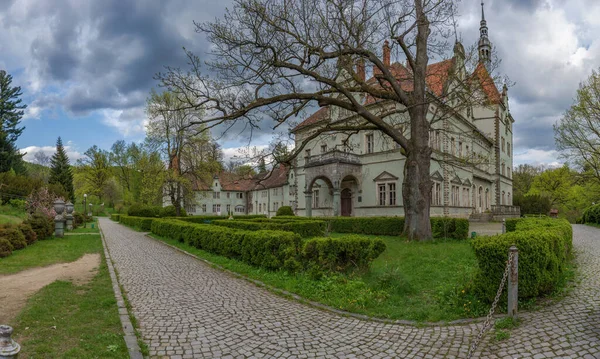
(14, 236)
(267, 249)
(341, 253)
(169, 211)
(285, 211)
(28, 233)
(42, 225)
(115, 216)
(447, 227)
(17, 203)
(208, 219)
(140, 210)
(388, 226)
(6, 247)
(141, 223)
(303, 228)
(545, 247)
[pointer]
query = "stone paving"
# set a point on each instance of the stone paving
(186, 309)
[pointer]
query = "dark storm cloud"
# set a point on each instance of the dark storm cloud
(110, 50)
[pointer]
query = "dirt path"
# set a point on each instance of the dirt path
(16, 288)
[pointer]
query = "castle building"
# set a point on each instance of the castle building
(361, 173)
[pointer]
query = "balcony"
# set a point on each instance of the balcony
(506, 210)
(335, 156)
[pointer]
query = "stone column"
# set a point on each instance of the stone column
(336, 202)
(9, 349)
(308, 204)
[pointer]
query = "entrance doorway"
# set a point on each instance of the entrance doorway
(346, 197)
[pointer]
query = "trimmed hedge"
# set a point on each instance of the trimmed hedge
(545, 246)
(14, 236)
(115, 217)
(143, 223)
(274, 249)
(170, 211)
(442, 227)
(341, 254)
(42, 225)
(28, 232)
(139, 210)
(204, 219)
(267, 249)
(304, 228)
(285, 211)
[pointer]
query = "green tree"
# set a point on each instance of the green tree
(555, 184)
(11, 112)
(60, 170)
(577, 133)
(96, 170)
(523, 176)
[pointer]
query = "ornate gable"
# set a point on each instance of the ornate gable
(385, 176)
(436, 176)
(456, 180)
(467, 183)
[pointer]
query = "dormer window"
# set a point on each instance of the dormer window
(323, 148)
(370, 143)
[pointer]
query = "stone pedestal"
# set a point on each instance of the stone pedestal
(69, 222)
(59, 226)
(308, 204)
(9, 349)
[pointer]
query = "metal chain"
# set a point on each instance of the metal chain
(488, 319)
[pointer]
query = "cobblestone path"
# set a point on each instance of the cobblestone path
(187, 309)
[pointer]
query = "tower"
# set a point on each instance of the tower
(485, 46)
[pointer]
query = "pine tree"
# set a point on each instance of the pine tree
(60, 170)
(11, 111)
(262, 166)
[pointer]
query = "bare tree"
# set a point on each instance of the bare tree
(41, 158)
(276, 59)
(171, 131)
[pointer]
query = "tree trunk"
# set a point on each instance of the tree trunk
(416, 190)
(416, 195)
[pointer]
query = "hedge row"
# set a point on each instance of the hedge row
(274, 249)
(442, 227)
(140, 210)
(342, 253)
(115, 217)
(304, 228)
(205, 219)
(267, 249)
(544, 246)
(143, 223)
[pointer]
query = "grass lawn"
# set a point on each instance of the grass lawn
(64, 320)
(9, 214)
(410, 280)
(67, 321)
(88, 228)
(50, 251)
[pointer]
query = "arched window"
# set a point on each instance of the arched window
(503, 200)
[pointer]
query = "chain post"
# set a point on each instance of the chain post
(503, 225)
(9, 349)
(513, 283)
(488, 319)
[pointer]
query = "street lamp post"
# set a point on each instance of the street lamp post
(84, 210)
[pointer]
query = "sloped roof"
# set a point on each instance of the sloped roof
(437, 76)
(487, 84)
(276, 178)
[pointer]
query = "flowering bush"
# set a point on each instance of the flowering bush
(41, 201)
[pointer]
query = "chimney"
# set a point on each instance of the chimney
(386, 53)
(360, 69)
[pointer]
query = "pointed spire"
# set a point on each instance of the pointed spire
(485, 46)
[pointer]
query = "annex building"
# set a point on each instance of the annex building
(361, 174)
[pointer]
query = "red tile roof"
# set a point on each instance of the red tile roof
(234, 183)
(437, 77)
(276, 178)
(487, 84)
